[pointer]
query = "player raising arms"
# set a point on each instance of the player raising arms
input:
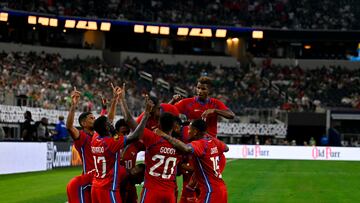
(78, 189)
(161, 160)
(105, 147)
(203, 106)
(206, 150)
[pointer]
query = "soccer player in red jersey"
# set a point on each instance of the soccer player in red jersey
(161, 160)
(78, 189)
(206, 150)
(105, 147)
(202, 106)
(128, 160)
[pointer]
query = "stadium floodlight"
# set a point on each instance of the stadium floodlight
(4, 16)
(183, 31)
(105, 26)
(257, 34)
(43, 21)
(164, 30)
(139, 28)
(199, 32)
(70, 23)
(152, 29)
(220, 33)
(32, 20)
(53, 22)
(88, 25)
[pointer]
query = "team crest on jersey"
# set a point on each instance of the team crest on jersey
(116, 137)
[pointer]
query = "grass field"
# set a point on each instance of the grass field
(246, 180)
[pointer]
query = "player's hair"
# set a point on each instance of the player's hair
(205, 80)
(199, 124)
(120, 123)
(166, 122)
(83, 116)
(178, 120)
(103, 126)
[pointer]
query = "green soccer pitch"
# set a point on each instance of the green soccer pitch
(246, 180)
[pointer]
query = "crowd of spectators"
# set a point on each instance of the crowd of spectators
(46, 80)
(284, 14)
(312, 89)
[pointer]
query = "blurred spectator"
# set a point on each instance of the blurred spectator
(61, 133)
(312, 141)
(27, 128)
(42, 130)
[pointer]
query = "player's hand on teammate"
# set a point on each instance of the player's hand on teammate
(75, 96)
(207, 113)
(149, 105)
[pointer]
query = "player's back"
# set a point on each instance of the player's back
(129, 154)
(106, 157)
(207, 152)
(161, 160)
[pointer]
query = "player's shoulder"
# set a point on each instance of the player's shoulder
(215, 101)
(188, 100)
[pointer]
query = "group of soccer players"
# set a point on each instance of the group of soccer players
(171, 148)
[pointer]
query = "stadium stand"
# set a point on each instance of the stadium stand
(284, 14)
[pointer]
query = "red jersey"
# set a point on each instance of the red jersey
(153, 123)
(129, 154)
(106, 157)
(161, 160)
(83, 146)
(207, 152)
(193, 108)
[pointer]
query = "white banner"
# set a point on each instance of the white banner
(293, 152)
(19, 157)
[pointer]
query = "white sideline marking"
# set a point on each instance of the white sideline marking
(231, 160)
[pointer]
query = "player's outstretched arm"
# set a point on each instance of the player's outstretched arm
(125, 110)
(224, 113)
(117, 91)
(139, 131)
(75, 97)
(175, 142)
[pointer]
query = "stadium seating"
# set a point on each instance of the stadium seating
(290, 14)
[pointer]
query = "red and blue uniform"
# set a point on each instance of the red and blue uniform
(106, 155)
(193, 108)
(128, 160)
(78, 189)
(207, 152)
(161, 160)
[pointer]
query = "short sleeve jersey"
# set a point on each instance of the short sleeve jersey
(161, 160)
(83, 146)
(207, 152)
(129, 154)
(193, 108)
(106, 155)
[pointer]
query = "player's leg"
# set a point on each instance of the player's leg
(78, 190)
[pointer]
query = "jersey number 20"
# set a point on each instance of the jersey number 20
(161, 159)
